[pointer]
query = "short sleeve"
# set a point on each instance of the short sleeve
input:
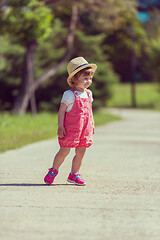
(91, 95)
(68, 97)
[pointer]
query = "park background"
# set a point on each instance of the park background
(38, 38)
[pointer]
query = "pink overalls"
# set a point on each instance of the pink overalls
(78, 123)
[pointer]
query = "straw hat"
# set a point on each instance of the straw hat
(77, 64)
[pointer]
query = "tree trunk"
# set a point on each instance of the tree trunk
(30, 65)
(25, 94)
(133, 69)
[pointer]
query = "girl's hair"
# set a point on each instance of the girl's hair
(86, 72)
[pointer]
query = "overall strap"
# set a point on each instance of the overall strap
(88, 93)
(74, 92)
(72, 89)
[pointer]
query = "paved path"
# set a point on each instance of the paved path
(120, 202)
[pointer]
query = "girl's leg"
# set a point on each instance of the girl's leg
(77, 160)
(60, 156)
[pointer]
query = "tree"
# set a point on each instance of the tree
(28, 24)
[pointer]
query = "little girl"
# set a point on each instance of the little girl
(75, 120)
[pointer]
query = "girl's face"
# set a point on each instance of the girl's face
(83, 82)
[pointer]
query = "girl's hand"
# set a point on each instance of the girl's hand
(61, 132)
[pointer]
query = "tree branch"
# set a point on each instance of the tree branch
(65, 58)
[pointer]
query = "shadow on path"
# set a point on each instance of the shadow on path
(33, 185)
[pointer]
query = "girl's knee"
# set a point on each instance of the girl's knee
(80, 151)
(64, 151)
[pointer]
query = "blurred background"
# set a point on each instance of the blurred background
(39, 37)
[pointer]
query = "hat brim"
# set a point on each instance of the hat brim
(91, 65)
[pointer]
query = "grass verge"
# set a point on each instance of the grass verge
(147, 96)
(17, 131)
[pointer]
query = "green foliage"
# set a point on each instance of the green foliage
(153, 51)
(11, 59)
(152, 26)
(49, 52)
(102, 84)
(105, 15)
(27, 22)
(92, 48)
(89, 46)
(119, 45)
(48, 55)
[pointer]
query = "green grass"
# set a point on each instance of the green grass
(17, 131)
(147, 96)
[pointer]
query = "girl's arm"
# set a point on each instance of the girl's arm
(61, 113)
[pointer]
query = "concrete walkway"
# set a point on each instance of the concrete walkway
(120, 202)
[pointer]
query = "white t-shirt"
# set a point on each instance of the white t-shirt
(68, 98)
